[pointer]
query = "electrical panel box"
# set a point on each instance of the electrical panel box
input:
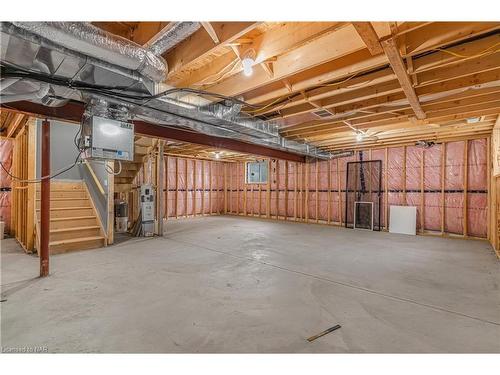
(108, 139)
(147, 203)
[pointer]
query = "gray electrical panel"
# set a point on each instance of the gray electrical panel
(108, 139)
(147, 203)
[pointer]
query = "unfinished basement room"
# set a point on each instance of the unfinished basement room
(250, 187)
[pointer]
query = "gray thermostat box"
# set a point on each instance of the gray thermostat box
(108, 139)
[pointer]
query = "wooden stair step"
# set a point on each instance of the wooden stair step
(66, 208)
(72, 218)
(74, 229)
(66, 202)
(72, 221)
(65, 212)
(75, 232)
(75, 244)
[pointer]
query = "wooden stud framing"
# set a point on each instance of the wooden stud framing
(295, 195)
(194, 187)
(203, 168)
(404, 176)
(422, 195)
(277, 187)
(167, 187)
(176, 188)
(329, 197)
(386, 189)
(465, 186)
(489, 209)
(31, 199)
(210, 188)
(317, 191)
(186, 187)
(225, 188)
(307, 192)
(443, 179)
(286, 190)
(339, 189)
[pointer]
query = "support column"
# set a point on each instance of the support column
(45, 201)
(160, 186)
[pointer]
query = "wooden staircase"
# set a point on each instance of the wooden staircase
(142, 147)
(74, 223)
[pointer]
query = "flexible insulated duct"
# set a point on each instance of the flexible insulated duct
(171, 35)
(89, 40)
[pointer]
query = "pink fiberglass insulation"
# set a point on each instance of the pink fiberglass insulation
(414, 199)
(477, 173)
(281, 172)
(6, 147)
(323, 206)
(220, 187)
(380, 155)
(432, 211)
(395, 176)
(432, 187)
(454, 184)
(477, 214)
(300, 189)
(334, 194)
(413, 165)
(233, 185)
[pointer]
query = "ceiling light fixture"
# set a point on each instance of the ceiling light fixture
(217, 155)
(247, 63)
(359, 137)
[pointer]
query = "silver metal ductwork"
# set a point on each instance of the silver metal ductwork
(38, 51)
(91, 41)
(171, 35)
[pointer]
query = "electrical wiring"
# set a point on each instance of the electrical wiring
(234, 64)
(316, 86)
(490, 50)
(116, 91)
(111, 171)
(36, 181)
(485, 52)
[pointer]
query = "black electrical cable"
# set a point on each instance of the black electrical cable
(16, 72)
(36, 181)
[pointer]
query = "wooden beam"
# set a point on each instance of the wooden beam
(369, 36)
(280, 39)
(200, 44)
(211, 31)
(398, 66)
(321, 50)
(146, 33)
(439, 34)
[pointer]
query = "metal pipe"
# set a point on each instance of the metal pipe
(45, 201)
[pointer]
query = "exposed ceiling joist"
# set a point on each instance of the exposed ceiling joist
(399, 68)
(325, 48)
(211, 31)
(200, 44)
(369, 36)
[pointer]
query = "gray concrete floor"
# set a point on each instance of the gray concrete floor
(228, 284)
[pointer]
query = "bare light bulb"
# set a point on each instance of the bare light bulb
(217, 155)
(247, 63)
(359, 137)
